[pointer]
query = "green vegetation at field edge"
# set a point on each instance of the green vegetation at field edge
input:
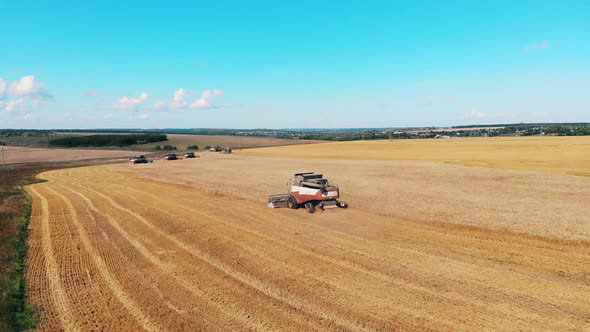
(15, 215)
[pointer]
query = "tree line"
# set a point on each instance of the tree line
(107, 140)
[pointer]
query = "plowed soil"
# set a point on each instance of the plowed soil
(190, 245)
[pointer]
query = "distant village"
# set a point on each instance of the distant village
(581, 129)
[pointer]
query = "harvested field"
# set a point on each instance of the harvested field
(235, 142)
(18, 155)
(424, 246)
(14, 213)
(563, 155)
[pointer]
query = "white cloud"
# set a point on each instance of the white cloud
(28, 116)
(126, 103)
(144, 116)
(202, 104)
(537, 46)
(160, 105)
(205, 100)
(181, 96)
(107, 116)
(92, 93)
(208, 94)
(13, 105)
(179, 99)
(28, 87)
(22, 94)
(475, 114)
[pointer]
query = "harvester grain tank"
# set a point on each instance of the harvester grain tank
(308, 190)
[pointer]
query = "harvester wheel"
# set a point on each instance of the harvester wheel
(310, 207)
(292, 203)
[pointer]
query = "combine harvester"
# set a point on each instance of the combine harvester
(309, 190)
(140, 160)
(190, 155)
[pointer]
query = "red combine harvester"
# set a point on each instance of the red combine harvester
(309, 190)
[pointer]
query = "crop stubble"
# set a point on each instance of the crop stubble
(22, 155)
(112, 248)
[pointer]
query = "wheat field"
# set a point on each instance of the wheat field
(564, 155)
(190, 245)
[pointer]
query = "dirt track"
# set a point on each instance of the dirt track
(115, 250)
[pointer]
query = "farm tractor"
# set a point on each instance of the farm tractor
(308, 190)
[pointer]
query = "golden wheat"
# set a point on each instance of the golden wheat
(191, 245)
(564, 155)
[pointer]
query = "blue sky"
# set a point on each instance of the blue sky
(279, 64)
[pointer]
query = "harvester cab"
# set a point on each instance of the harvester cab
(308, 190)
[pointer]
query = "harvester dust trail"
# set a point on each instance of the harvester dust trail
(124, 247)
